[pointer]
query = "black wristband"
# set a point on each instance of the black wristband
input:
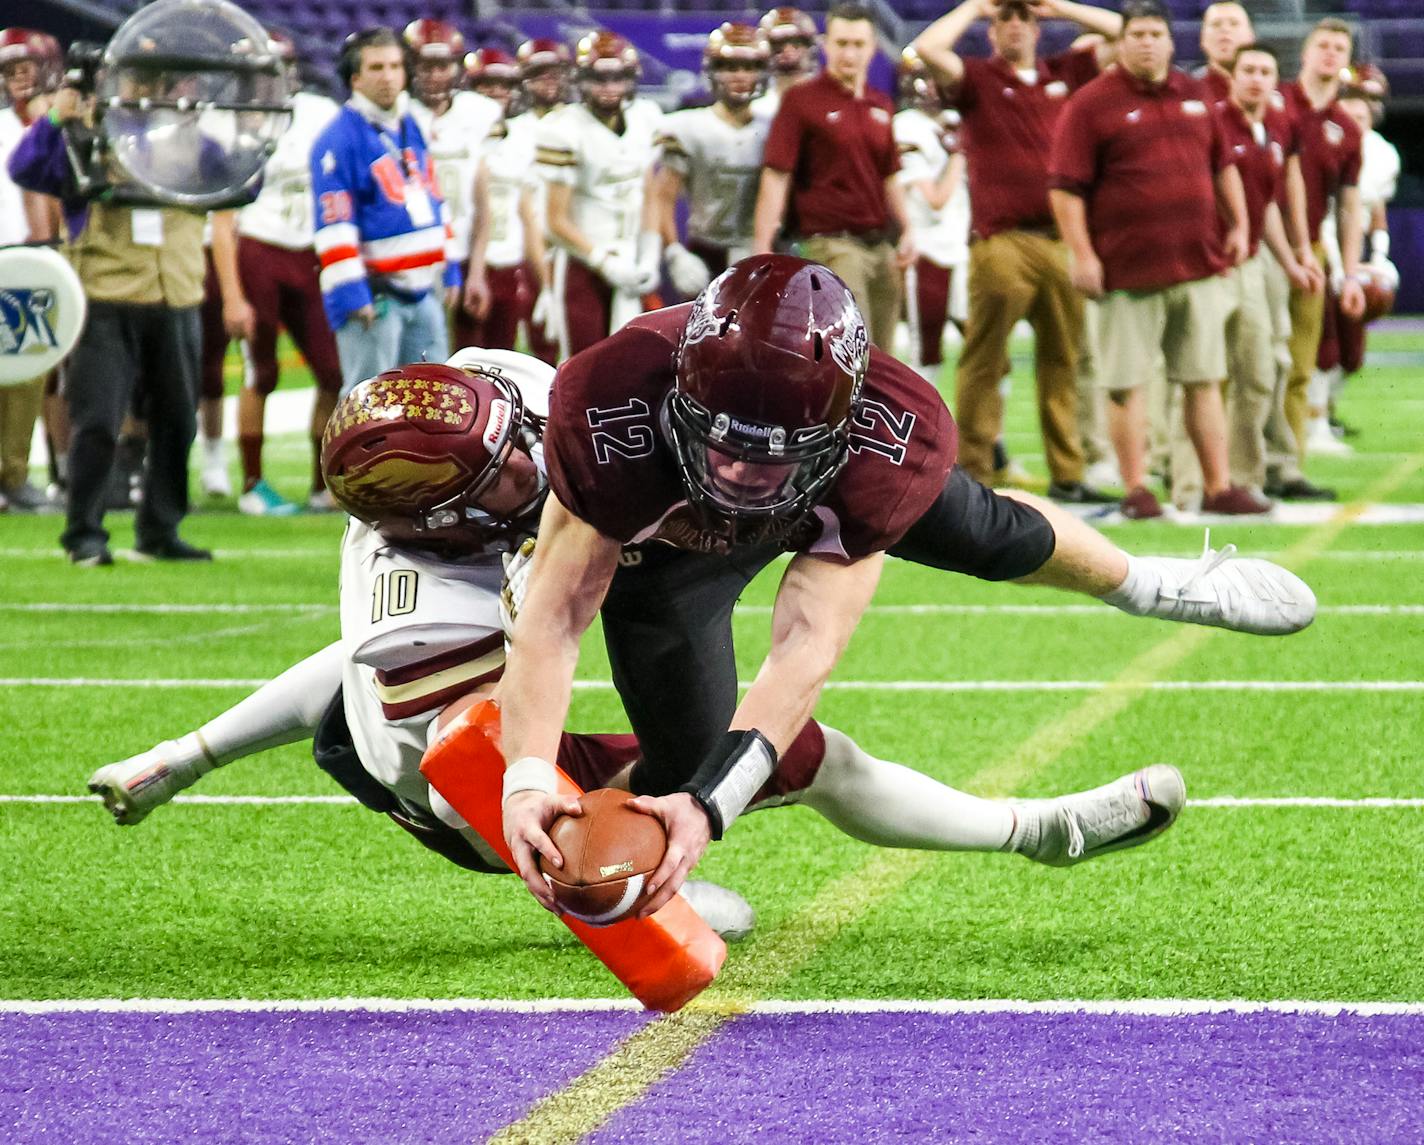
(730, 776)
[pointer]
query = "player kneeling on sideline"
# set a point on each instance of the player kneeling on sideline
(421, 629)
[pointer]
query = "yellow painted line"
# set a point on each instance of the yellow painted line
(660, 1048)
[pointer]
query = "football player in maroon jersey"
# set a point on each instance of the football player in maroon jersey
(754, 421)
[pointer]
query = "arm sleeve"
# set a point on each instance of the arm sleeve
(1072, 164)
(555, 154)
(337, 241)
(38, 162)
(783, 141)
(1350, 168)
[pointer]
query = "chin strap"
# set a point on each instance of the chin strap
(732, 773)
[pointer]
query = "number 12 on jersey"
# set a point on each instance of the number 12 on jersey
(624, 430)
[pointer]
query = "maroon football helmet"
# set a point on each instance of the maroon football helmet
(39, 50)
(544, 66)
(411, 451)
(437, 49)
(603, 59)
(741, 48)
(493, 72)
(792, 36)
(1380, 290)
(768, 374)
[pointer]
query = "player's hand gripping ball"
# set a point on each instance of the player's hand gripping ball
(609, 851)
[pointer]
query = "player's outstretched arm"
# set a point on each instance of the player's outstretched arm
(818, 605)
(573, 565)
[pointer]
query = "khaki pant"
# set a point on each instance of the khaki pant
(1092, 401)
(1251, 384)
(1307, 313)
(872, 276)
(19, 409)
(1017, 275)
(1282, 457)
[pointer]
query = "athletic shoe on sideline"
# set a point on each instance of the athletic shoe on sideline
(1124, 813)
(173, 549)
(133, 787)
(27, 498)
(1298, 489)
(1236, 500)
(216, 482)
(321, 501)
(1079, 493)
(1140, 505)
(264, 501)
(1225, 591)
(724, 910)
(1321, 439)
(91, 556)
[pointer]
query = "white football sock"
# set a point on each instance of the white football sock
(283, 710)
(213, 451)
(893, 806)
(1139, 590)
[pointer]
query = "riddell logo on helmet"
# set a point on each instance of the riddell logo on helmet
(498, 425)
(754, 429)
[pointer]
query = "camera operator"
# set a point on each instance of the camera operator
(175, 120)
(142, 269)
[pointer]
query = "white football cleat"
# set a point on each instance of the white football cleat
(1124, 813)
(133, 787)
(724, 910)
(1226, 591)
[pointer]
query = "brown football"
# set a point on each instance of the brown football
(609, 851)
(1379, 294)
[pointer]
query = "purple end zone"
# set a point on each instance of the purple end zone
(1043, 1077)
(256, 1077)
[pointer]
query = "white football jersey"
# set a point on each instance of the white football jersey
(720, 165)
(942, 236)
(606, 171)
(1379, 171)
(508, 160)
(282, 212)
(455, 140)
(418, 631)
(14, 227)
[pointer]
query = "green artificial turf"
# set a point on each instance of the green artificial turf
(321, 900)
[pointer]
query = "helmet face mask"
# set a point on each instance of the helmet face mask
(436, 457)
(544, 66)
(736, 64)
(768, 376)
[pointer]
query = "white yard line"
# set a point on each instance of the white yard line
(1149, 1007)
(833, 685)
(1217, 801)
(929, 609)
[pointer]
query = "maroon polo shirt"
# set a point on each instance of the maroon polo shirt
(1006, 134)
(1218, 83)
(1144, 158)
(1260, 155)
(838, 150)
(1330, 150)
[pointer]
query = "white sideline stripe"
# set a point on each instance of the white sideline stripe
(832, 685)
(1150, 1007)
(1215, 801)
(746, 609)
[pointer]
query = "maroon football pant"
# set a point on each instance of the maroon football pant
(588, 301)
(210, 380)
(510, 304)
(1342, 339)
(931, 310)
(284, 291)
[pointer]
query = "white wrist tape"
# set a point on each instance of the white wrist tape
(1379, 243)
(529, 774)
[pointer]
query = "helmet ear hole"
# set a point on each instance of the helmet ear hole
(816, 284)
(727, 323)
(817, 343)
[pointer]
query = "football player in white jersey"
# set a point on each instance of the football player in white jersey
(596, 157)
(279, 273)
(455, 122)
(1342, 344)
(792, 36)
(508, 240)
(545, 71)
(937, 200)
(713, 156)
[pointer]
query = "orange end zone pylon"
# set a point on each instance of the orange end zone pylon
(665, 961)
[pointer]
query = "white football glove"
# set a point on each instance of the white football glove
(1386, 270)
(650, 261)
(546, 314)
(619, 271)
(516, 584)
(689, 273)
